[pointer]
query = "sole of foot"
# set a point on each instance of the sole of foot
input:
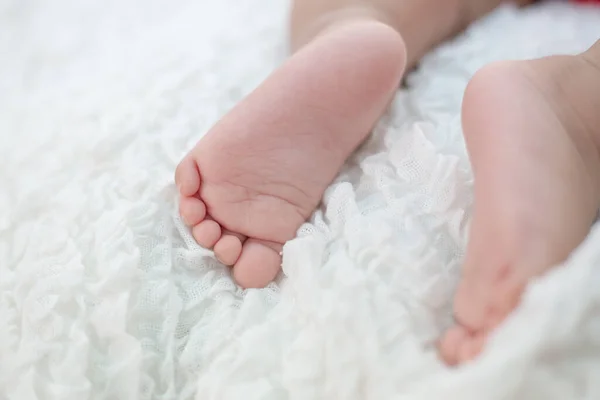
(260, 172)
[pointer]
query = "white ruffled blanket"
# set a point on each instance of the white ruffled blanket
(104, 295)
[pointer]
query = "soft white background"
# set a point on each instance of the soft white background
(104, 295)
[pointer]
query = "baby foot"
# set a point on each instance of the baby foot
(258, 175)
(532, 133)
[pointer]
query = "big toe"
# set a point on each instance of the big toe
(258, 264)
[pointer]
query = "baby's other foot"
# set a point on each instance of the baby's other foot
(532, 132)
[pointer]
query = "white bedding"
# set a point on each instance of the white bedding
(104, 295)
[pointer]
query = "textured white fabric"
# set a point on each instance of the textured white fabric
(104, 295)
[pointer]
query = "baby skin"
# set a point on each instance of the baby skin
(533, 134)
(531, 129)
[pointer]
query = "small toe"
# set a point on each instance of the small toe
(207, 233)
(259, 263)
(228, 249)
(187, 176)
(192, 210)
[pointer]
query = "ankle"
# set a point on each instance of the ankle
(592, 56)
(421, 24)
(573, 88)
(304, 30)
(589, 92)
(472, 10)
